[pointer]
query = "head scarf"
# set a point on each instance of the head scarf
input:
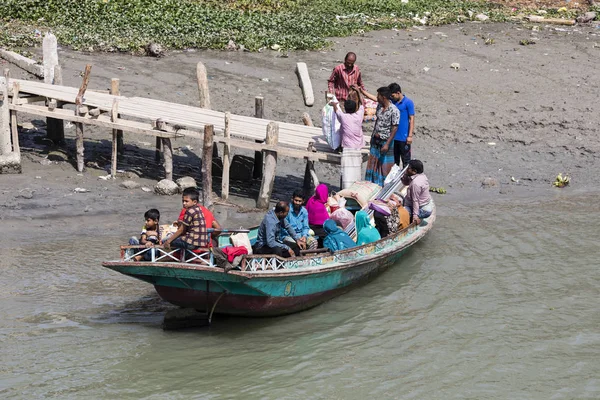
(317, 212)
(336, 238)
(365, 232)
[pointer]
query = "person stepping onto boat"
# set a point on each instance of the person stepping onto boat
(270, 240)
(151, 234)
(298, 220)
(191, 233)
(418, 201)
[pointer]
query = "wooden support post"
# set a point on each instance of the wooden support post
(207, 167)
(226, 159)
(13, 121)
(203, 85)
(79, 145)
(115, 91)
(79, 148)
(113, 118)
(158, 150)
(309, 172)
(258, 157)
(168, 158)
(5, 146)
(266, 187)
(55, 127)
(84, 85)
(50, 57)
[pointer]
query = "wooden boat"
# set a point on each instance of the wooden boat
(268, 285)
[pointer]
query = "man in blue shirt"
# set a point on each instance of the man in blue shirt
(269, 240)
(298, 220)
(404, 134)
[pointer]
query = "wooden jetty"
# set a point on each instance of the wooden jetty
(161, 119)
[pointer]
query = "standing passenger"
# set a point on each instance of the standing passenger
(345, 76)
(404, 134)
(353, 139)
(381, 155)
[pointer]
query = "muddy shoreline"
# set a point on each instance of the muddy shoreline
(516, 114)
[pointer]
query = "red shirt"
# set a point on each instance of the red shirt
(340, 81)
(208, 216)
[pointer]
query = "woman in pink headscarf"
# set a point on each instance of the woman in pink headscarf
(317, 211)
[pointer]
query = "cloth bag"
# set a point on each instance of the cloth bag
(241, 239)
(331, 133)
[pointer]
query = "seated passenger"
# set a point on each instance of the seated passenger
(298, 220)
(191, 233)
(151, 234)
(269, 239)
(365, 233)
(317, 211)
(336, 238)
(418, 201)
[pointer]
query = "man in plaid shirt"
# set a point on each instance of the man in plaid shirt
(343, 77)
(191, 233)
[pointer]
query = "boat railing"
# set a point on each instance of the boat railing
(201, 256)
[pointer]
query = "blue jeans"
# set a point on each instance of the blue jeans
(422, 213)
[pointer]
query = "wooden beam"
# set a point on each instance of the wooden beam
(102, 120)
(258, 156)
(226, 158)
(202, 78)
(270, 165)
(25, 63)
(207, 167)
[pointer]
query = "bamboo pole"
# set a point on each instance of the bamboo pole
(266, 187)
(115, 91)
(207, 167)
(113, 118)
(158, 150)
(13, 121)
(5, 146)
(202, 78)
(258, 157)
(226, 159)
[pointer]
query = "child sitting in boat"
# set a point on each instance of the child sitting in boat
(151, 234)
(191, 233)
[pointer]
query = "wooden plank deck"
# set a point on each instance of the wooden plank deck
(190, 119)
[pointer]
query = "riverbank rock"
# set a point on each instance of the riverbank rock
(166, 187)
(186, 182)
(489, 182)
(587, 17)
(130, 184)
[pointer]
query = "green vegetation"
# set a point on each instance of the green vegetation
(120, 25)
